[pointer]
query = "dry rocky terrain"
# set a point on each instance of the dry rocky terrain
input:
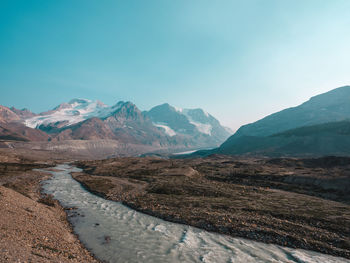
(33, 227)
(301, 203)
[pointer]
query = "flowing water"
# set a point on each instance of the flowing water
(116, 233)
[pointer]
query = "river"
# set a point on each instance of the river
(116, 233)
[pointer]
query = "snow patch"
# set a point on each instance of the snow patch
(178, 109)
(201, 127)
(169, 131)
(186, 152)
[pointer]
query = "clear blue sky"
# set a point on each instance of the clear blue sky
(239, 60)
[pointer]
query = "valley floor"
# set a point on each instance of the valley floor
(300, 203)
(291, 202)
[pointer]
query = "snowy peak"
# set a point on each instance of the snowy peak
(198, 115)
(201, 119)
(74, 111)
(195, 122)
(172, 118)
(162, 125)
(127, 111)
(182, 120)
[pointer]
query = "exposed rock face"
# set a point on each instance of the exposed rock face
(23, 113)
(90, 129)
(130, 124)
(12, 129)
(7, 115)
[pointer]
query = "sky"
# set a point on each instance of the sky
(238, 60)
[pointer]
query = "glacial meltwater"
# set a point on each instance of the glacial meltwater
(116, 233)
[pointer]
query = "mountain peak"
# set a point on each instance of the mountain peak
(76, 110)
(165, 106)
(23, 113)
(7, 115)
(187, 121)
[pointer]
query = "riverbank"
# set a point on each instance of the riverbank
(33, 228)
(295, 203)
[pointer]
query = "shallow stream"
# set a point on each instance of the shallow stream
(116, 233)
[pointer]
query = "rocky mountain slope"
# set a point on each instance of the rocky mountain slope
(188, 122)
(7, 115)
(316, 140)
(12, 128)
(328, 107)
(82, 119)
(319, 126)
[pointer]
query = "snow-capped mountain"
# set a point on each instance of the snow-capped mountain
(194, 122)
(70, 113)
(163, 126)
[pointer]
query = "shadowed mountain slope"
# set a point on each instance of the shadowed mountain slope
(319, 126)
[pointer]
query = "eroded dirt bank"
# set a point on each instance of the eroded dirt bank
(296, 203)
(33, 228)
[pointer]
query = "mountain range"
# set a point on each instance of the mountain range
(320, 126)
(162, 127)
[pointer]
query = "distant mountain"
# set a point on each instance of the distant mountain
(314, 128)
(126, 124)
(74, 111)
(188, 122)
(163, 127)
